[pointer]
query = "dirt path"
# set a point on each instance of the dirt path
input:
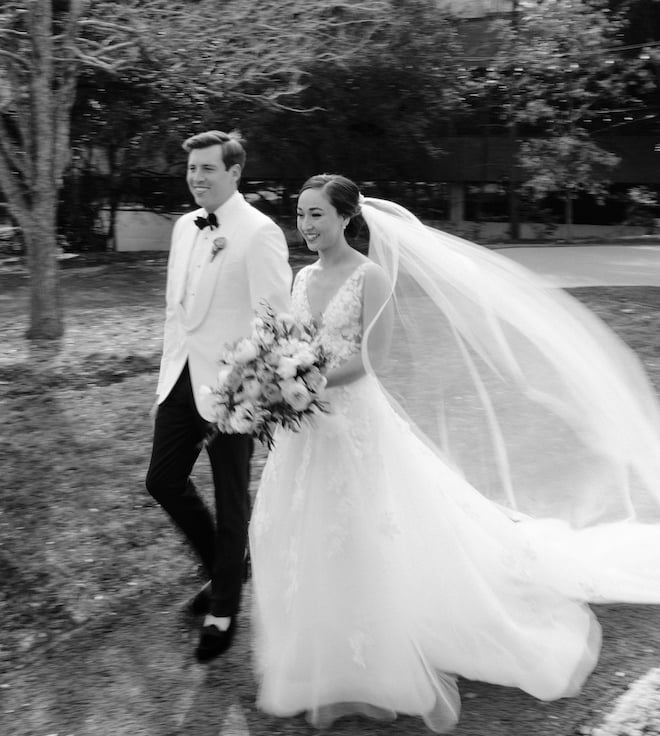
(132, 673)
(130, 670)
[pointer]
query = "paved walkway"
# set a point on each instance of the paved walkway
(591, 265)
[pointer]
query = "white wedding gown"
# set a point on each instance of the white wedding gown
(380, 574)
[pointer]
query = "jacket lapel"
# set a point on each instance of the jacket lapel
(230, 220)
(184, 253)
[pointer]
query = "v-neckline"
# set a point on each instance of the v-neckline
(336, 293)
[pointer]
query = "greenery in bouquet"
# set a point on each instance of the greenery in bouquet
(272, 378)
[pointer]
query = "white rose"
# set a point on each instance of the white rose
(296, 395)
(240, 425)
(272, 358)
(252, 388)
(287, 367)
(272, 393)
(245, 351)
(241, 420)
(305, 357)
(285, 347)
(223, 375)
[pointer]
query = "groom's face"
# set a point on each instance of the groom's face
(210, 183)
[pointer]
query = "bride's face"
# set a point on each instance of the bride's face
(318, 221)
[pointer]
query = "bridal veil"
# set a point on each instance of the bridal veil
(518, 385)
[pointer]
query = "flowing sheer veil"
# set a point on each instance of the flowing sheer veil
(518, 385)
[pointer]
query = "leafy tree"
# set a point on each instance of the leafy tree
(369, 108)
(643, 207)
(569, 164)
(38, 72)
(180, 48)
(377, 116)
(121, 131)
(555, 67)
(641, 38)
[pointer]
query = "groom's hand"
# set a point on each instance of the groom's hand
(152, 413)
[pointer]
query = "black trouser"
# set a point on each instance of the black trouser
(220, 544)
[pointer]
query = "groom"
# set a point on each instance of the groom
(225, 258)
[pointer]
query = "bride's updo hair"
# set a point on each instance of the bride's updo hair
(344, 196)
(343, 193)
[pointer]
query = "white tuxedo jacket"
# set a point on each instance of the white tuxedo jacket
(252, 266)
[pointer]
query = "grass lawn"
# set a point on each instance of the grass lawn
(78, 532)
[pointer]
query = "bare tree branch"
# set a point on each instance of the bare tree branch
(65, 95)
(94, 23)
(259, 53)
(13, 33)
(15, 157)
(15, 58)
(109, 49)
(95, 62)
(15, 195)
(40, 22)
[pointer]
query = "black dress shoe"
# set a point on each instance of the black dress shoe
(213, 642)
(200, 603)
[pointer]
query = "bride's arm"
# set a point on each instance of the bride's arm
(377, 318)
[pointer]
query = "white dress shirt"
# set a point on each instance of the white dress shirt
(199, 259)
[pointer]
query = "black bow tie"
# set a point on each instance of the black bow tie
(211, 221)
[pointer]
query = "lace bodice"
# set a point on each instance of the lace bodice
(341, 321)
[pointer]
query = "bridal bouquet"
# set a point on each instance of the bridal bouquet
(273, 377)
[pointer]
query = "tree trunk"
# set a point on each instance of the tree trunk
(514, 202)
(568, 215)
(512, 131)
(111, 234)
(51, 98)
(514, 211)
(46, 320)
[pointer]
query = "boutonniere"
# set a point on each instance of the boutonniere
(218, 245)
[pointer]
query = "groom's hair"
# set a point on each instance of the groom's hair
(232, 145)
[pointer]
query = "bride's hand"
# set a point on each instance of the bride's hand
(348, 372)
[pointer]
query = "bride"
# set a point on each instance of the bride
(490, 464)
